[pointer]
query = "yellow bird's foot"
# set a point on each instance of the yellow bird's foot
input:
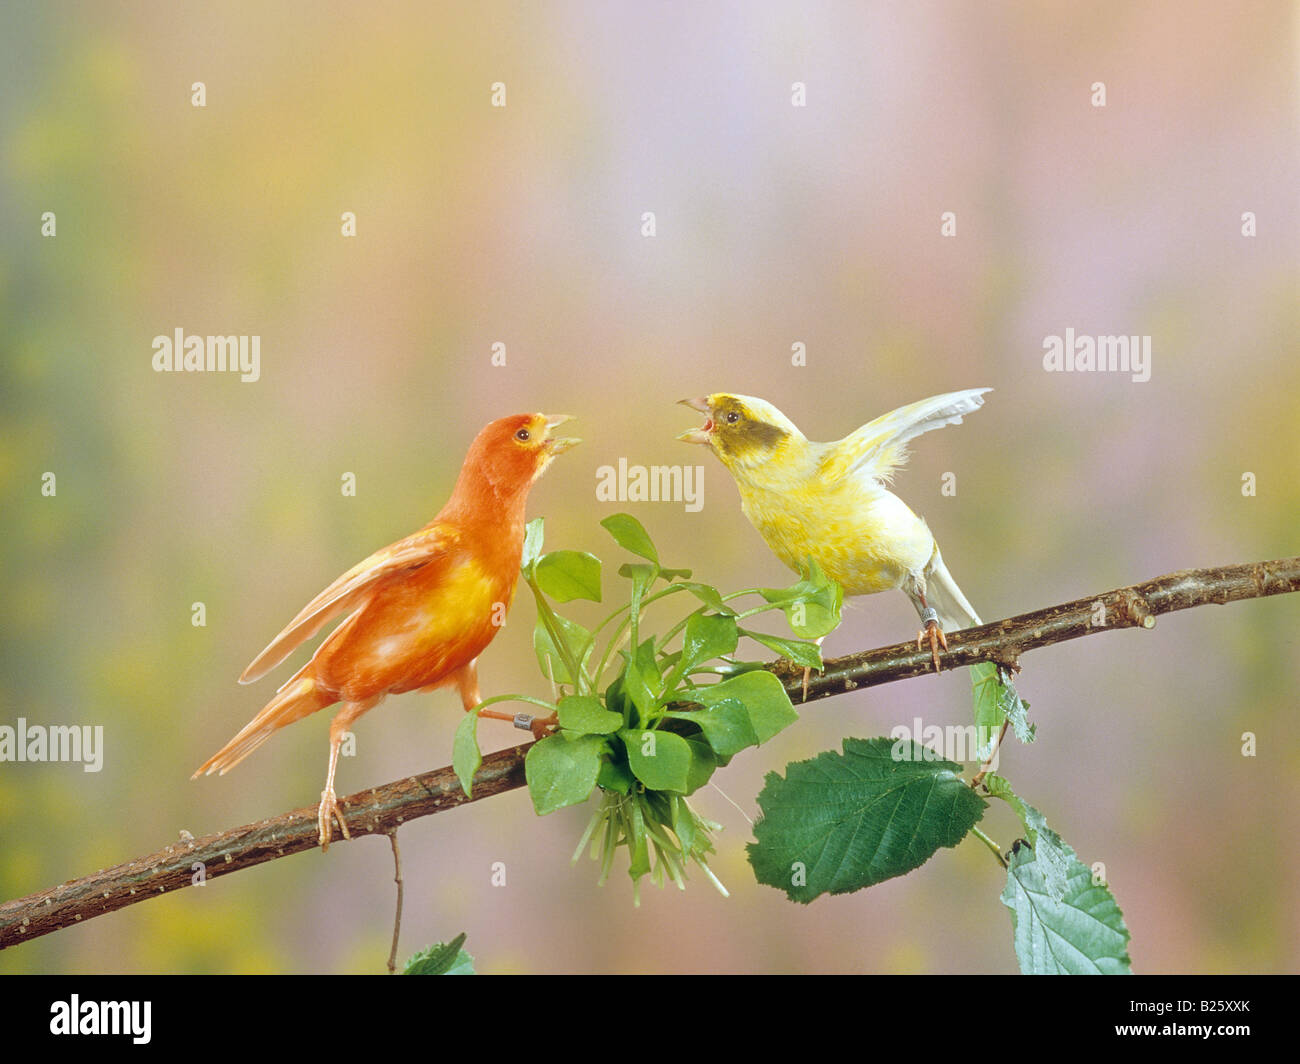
(936, 638)
(330, 809)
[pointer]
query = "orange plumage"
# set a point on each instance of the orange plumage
(421, 610)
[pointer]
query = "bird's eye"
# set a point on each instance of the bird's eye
(732, 417)
(522, 434)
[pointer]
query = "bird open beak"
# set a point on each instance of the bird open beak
(700, 435)
(561, 443)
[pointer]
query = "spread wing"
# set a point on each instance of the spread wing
(350, 590)
(880, 446)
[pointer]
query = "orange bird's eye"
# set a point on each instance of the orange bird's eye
(522, 434)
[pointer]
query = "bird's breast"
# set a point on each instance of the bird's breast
(418, 630)
(861, 535)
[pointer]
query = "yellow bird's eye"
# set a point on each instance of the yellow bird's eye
(522, 435)
(732, 417)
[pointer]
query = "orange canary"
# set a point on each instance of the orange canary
(421, 610)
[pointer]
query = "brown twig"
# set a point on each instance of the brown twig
(382, 810)
(397, 917)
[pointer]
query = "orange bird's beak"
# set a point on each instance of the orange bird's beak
(559, 444)
(700, 435)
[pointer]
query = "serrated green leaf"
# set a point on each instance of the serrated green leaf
(996, 701)
(532, 545)
(631, 535)
(1063, 922)
(562, 773)
(440, 959)
(799, 651)
(566, 575)
(465, 755)
(659, 759)
(764, 698)
(841, 822)
(707, 636)
(586, 715)
(578, 639)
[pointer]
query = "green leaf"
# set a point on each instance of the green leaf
(585, 714)
(578, 639)
(615, 776)
(987, 705)
(799, 651)
(440, 959)
(812, 606)
(1064, 922)
(725, 724)
(841, 822)
(660, 759)
(629, 534)
(465, 756)
(532, 546)
(566, 575)
(710, 596)
(641, 680)
(765, 701)
(703, 764)
(995, 701)
(707, 636)
(562, 773)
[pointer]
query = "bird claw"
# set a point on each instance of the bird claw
(330, 809)
(539, 726)
(936, 638)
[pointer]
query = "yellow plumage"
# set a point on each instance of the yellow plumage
(830, 501)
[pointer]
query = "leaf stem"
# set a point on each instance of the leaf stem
(997, 852)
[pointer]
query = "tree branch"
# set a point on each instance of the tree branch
(381, 810)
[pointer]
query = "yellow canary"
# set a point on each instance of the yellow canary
(830, 501)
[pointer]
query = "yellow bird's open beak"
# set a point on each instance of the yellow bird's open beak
(700, 435)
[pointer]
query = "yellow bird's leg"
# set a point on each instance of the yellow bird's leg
(930, 628)
(330, 807)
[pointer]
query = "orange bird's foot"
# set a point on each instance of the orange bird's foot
(934, 634)
(806, 673)
(330, 809)
(539, 726)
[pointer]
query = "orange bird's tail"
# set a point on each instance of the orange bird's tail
(297, 699)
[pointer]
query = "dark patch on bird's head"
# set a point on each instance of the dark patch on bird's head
(740, 429)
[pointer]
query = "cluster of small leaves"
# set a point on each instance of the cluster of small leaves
(843, 821)
(633, 719)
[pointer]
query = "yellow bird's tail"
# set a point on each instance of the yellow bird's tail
(942, 592)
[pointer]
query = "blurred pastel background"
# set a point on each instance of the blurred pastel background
(775, 225)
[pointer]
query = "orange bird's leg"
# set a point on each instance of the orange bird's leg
(467, 684)
(330, 806)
